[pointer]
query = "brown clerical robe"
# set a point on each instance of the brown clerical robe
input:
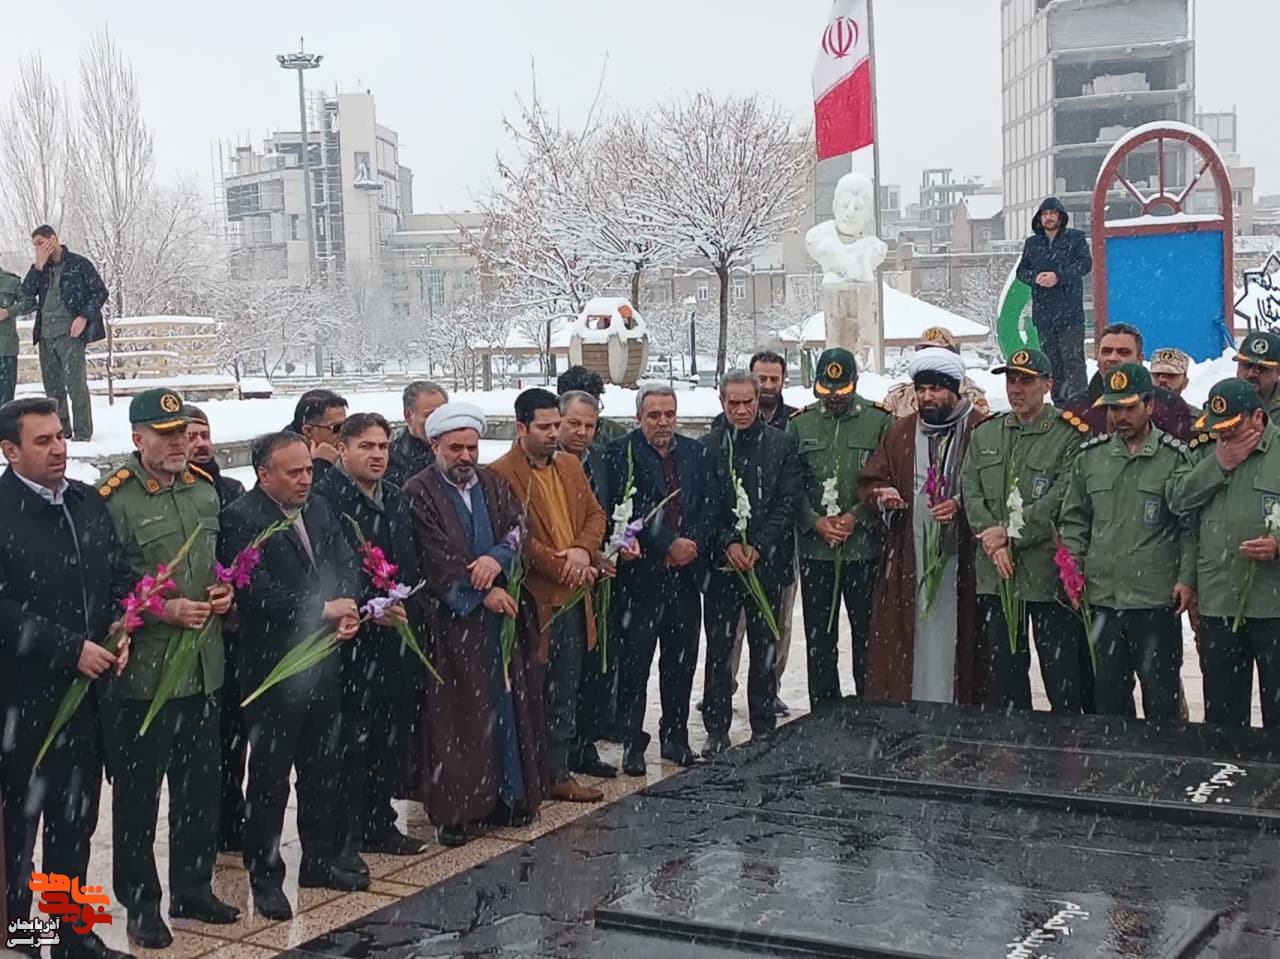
(891, 653)
(457, 769)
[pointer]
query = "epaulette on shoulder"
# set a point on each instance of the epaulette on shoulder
(882, 407)
(803, 409)
(1094, 441)
(114, 482)
(1173, 442)
(1201, 440)
(199, 472)
(1079, 425)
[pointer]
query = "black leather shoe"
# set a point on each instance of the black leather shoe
(348, 861)
(394, 843)
(84, 947)
(325, 875)
(716, 744)
(587, 761)
(508, 817)
(270, 903)
(678, 753)
(758, 738)
(148, 930)
(633, 763)
(453, 836)
(780, 708)
(205, 908)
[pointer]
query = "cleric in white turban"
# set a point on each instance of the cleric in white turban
(926, 641)
(455, 416)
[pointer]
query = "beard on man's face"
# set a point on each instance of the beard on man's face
(460, 473)
(938, 411)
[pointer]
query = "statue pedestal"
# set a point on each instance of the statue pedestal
(852, 314)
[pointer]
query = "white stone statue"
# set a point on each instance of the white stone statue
(846, 247)
(849, 253)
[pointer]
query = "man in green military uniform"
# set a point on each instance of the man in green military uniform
(156, 503)
(13, 304)
(1031, 448)
(1137, 555)
(836, 436)
(1258, 361)
(1233, 489)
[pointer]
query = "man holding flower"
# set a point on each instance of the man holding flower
(1015, 478)
(1233, 492)
(1139, 557)
(156, 503)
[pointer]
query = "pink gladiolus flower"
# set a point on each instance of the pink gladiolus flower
(240, 573)
(935, 486)
(380, 569)
(1073, 582)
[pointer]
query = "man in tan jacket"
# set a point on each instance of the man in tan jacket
(561, 555)
(901, 400)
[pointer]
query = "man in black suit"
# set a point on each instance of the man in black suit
(659, 594)
(411, 451)
(381, 677)
(231, 722)
(766, 465)
(61, 576)
(305, 582)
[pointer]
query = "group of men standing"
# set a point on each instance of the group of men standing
(548, 581)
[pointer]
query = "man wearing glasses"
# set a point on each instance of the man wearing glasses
(319, 417)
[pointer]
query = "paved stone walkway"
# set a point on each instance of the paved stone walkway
(318, 911)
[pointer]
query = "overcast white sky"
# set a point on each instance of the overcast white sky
(444, 72)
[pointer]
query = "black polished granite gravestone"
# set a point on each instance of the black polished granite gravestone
(765, 853)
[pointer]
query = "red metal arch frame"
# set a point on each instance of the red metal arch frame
(1210, 162)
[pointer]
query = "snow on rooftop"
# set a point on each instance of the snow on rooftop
(1154, 219)
(984, 206)
(905, 318)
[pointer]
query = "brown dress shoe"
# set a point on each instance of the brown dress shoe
(570, 790)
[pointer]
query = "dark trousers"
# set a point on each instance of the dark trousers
(661, 615)
(62, 367)
(288, 728)
(63, 793)
(8, 378)
(1066, 665)
(235, 742)
(726, 600)
(560, 696)
(182, 745)
(373, 746)
(1065, 348)
(817, 584)
(597, 689)
(1147, 642)
(1227, 660)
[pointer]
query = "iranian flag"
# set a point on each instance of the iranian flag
(845, 120)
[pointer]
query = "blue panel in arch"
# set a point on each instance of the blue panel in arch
(1169, 285)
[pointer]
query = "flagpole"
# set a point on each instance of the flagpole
(875, 174)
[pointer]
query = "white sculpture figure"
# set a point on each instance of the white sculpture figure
(845, 247)
(849, 253)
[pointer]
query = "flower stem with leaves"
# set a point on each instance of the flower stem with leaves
(1251, 574)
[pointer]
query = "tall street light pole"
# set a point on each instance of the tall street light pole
(302, 62)
(692, 304)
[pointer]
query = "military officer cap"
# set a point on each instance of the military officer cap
(1170, 361)
(1028, 363)
(938, 336)
(159, 409)
(837, 373)
(1229, 403)
(1260, 349)
(1126, 385)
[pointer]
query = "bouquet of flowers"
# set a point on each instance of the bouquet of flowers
(742, 514)
(1073, 584)
(147, 596)
(1010, 598)
(831, 509)
(324, 642)
(383, 572)
(1246, 588)
(180, 654)
(934, 561)
(624, 536)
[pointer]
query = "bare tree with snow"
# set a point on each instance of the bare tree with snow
(725, 178)
(34, 161)
(112, 166)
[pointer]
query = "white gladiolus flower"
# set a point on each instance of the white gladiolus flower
(1273, 519)
(830, 497)
(1017, 521)
(742, 509)
(622, 512)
